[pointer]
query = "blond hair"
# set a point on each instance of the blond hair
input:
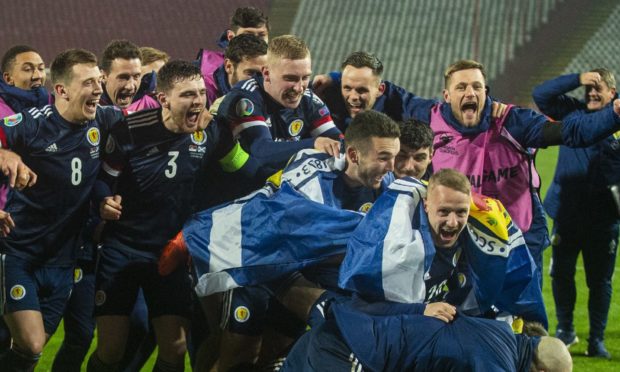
(150, 55)
(287, 46)
(450, 178)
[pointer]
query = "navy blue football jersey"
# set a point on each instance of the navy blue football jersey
(153, 170)
(448, 277)
(259, 121)
(66, 157)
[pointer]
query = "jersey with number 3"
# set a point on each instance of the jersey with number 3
(65, 156)
(153, 170)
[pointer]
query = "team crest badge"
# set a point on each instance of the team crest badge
(93, 136)
(77, 275)
(294, 128)
(365, 207)
(18, 292)
(244, 107)
(242, 314)
(199, 138)
(13, 120)
(100, 298)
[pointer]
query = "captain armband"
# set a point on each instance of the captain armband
(235, 159)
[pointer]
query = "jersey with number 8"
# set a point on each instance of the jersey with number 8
(65, 156)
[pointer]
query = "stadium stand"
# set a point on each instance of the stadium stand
(429, 35)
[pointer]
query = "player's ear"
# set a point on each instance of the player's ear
(163, 100)
(381, 88)
(60, 91)
(7, 78)
(352, 154)
(265, 72)
(228, 66)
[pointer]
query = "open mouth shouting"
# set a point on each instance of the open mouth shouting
(469, 112)
(123, 99)
(447, 236)
(90, 107)
(193, 116)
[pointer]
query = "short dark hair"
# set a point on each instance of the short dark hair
(462, 64)
(245, 46)
(11, 55)
(415, 134)
(369, 124)
(173, 72)
(248, 17)
(62, 66)
(364, 59)
(122, 49)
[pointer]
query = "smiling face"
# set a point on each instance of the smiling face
(123, 80)
(286, 80)
(27, 72)
(360, 89)
(599, 96)
(447, 211)
(185, 101)
(368, 164)
(79, 96)
(466, 95)
(412, 163)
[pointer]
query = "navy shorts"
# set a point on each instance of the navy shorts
(245, 310)
(28, 286)
(248, 310)
(121, 272)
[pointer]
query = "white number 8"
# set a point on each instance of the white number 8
(76, 171)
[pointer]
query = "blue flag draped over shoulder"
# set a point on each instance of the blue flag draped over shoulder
(391, 250)
(274, 231)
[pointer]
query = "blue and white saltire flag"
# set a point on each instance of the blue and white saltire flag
(273, 231)
(392, 248)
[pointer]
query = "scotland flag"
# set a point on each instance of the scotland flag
(273, 231)
(391, 250)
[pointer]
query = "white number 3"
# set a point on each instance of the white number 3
(172, 171)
